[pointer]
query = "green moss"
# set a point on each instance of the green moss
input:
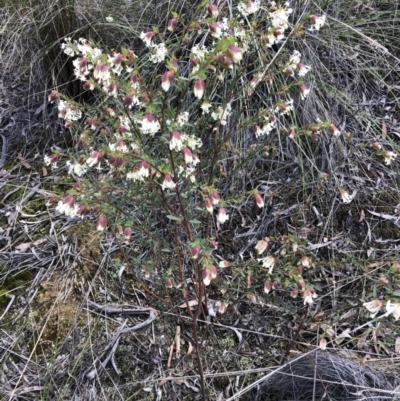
(11, 284)
(245, 363)
(227, 343)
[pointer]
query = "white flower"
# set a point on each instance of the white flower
(239, 32)
(222, 217)
(144, 169)
(317, 21)
(271, 39)
(175, 142)
(306, 262)
(308, 296)
(268, 262)
(215, 29)
(111, 90)
(76, 168)
(82, 68)
(373, 307)
(167, 80)
(393, 308)
(186, 172)
(93, 53)
(95, 158)
(346, 197)
(102, 74)
(334, 130)
(284, 108)
(304, 91)
(125, 122)
(67, 206)
(115, 62)
(141, 173)
(109, 19)
(302, 69)
(51, 160)
(147, 38)
(294, 59)
(266, 129)
(262, 245)
(168, 183)
(199, 88)
(388, 157)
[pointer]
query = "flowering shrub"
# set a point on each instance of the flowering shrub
(152, 147)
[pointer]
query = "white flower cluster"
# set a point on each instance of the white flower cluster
(117, 67)
(200, 51)
(187, 172)
(159, 52)
(267, 127)
(279, 22)
(102, 74)
(80, 69)
(126, 123)
(182, 118)
(294, 64)
(49, 162)
(81, 47)
(284, 108)
(68, 210)
(294, 59)
(149, 126)
(251, 7)
(191, 141)
(222, 114)
(220, 29)
(116, 147)
(374, 307)
(138, 175)
(68, 49)
(205, 106)
(94, 53)
(68, 111)
(239, 32)
(77, 168)
(280, 17)
(317, 22)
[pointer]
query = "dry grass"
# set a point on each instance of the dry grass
(50, 269)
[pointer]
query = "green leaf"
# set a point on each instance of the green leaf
(194, 221)
(171, 217)
(165, 250)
